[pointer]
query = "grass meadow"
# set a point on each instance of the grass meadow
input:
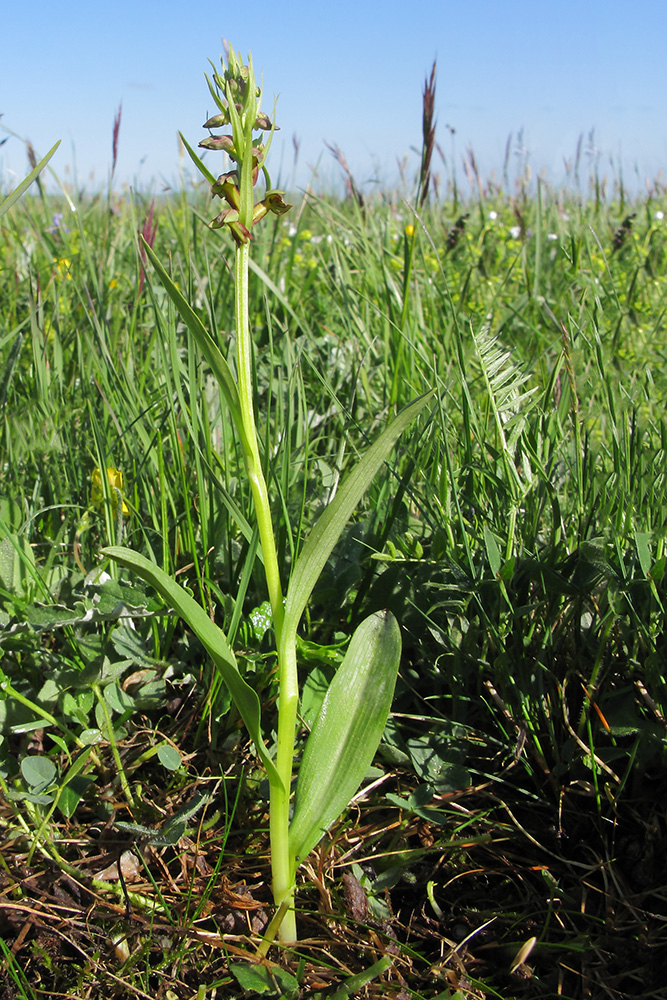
(511, 838)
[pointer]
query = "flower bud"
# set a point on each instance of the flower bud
(264, 122)
(240, 233)
(258, 154)
(217, 121)
(225, 142)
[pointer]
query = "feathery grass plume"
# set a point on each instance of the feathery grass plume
(352, 189)
(519, 216)
(453, 182)
(456, 231)
(32, 160)
(114, 137)
(428, 135)
(148, 232)
(622, 232)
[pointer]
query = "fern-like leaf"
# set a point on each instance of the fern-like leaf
(508, 399)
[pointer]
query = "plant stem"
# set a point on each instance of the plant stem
(122, 776)
(252, 456)
(282, 865)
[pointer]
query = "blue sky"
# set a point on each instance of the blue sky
(347, 73)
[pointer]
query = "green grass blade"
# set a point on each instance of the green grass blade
(212, 637)
(347, 731)
(14, 195)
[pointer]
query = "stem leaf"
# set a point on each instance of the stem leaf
(198, 162)
(347, 731)
(212, 638)
(203, 339)
(332, 521)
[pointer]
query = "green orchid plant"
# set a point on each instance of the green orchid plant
(346, 734)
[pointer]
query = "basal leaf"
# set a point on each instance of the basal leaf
(347, 732)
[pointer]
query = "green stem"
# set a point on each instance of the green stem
(408, 261)
(282, 866)
(8, 688)
(260, 494)
(122, 776)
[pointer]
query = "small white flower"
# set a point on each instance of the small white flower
(292, 231)
(492, 216)
(515, 232)
(659, 215)
(552, 236)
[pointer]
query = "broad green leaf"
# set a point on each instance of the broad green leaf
(204, 341)
(169, 756)
(212, 637)
(17, 564)
(332, 521)
(108, 601)
(90, 737)
(259, 980)
(643, 541)
(347, 732)
(119, 701)
(14, 195)
(38, 772)
(71, 794)
(37, 798)
(492, 551)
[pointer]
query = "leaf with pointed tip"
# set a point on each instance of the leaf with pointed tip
(332, 521)
(14, 195)
(212, 637)
(347, 731)
(198, 162)
(203, 339)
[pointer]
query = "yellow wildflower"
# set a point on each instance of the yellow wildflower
(63, 267)
(115, 481)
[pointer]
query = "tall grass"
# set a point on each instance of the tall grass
(519, 536)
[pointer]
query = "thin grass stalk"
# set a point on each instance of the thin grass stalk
(576, 420)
